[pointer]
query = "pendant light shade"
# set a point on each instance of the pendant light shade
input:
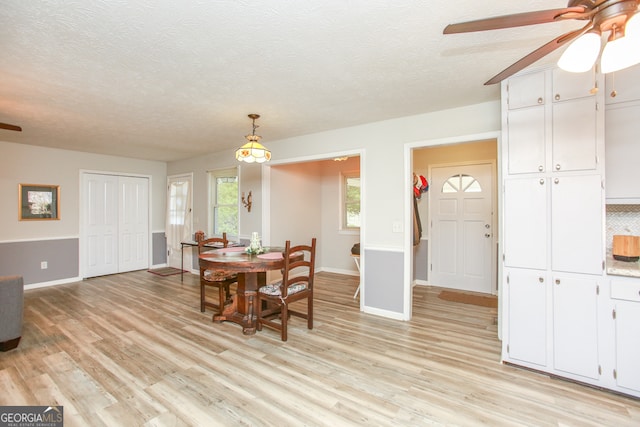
(581, 54)
(253, 151)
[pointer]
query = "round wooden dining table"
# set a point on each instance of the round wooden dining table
(252, 273)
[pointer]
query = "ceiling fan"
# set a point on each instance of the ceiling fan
(7, 126)
(617, 16)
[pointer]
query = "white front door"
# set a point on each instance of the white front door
(178, 226)
(462, 236)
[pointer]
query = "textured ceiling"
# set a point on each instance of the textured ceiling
(168, 80)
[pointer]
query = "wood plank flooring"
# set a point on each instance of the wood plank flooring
(134, 350)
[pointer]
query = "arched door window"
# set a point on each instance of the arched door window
(461, 183)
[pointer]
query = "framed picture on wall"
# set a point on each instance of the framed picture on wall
(38, 202)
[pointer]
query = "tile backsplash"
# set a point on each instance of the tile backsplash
(622, 219)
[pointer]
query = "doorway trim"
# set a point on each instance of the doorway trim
(266, 200)
(408, 203)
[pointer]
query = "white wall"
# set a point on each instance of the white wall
(28, 164)
(296, 205)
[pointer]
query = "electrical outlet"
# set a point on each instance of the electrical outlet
(397, 227)
(44, 265)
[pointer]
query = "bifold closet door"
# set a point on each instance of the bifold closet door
(116, 224)
(133, 223)
(101, 224)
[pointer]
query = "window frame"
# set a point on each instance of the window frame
(344, 177)
(213, 176)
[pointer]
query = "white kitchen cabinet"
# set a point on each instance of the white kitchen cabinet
(525, 222)
(626, 313)
(575, 325)
(625, 84)
(553, 225)
(557, 136)
(527, 140)
(622, 150)
(574, 127)
(577, 224)
(560, 216)
(527, 316)
(526, 90)
(567, 86)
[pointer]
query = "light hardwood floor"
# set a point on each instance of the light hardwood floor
(133, 349)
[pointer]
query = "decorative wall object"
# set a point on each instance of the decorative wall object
(38, 202)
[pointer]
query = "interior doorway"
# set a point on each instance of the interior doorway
(419, 157)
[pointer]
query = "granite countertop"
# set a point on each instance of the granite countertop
(622, 268)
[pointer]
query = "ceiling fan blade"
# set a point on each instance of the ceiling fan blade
(515, 20)
(10, 127)
(538, 54)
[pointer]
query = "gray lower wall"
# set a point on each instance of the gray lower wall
(383, 280)
(159, 249)
(62, 257)
(24, 258)
(420, 267)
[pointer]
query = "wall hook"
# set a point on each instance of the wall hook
(247, 202)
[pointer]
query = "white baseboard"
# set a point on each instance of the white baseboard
(337, 271)
(52, 283)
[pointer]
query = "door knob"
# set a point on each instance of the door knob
(487, 235)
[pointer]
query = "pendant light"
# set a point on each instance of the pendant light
(253, 151)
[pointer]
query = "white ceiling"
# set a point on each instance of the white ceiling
(168, 80)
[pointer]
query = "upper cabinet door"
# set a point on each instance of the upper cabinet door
(624, 83)
(526, 140)
(574, 135)
(568, 86)
(526, 90)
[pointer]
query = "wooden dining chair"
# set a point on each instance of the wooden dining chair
(220, 279)
(296, 285)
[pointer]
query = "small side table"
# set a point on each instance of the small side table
(356, 259)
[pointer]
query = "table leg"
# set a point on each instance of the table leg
(181, 262)
(242, 310)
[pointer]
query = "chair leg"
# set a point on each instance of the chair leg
(201, 297)
(284, 315)
(310, 312)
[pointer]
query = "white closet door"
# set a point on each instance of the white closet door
(100, 224)
(133, 223)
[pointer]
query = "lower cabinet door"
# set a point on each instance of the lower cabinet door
(527, 337)
(575, 325)
(628, 345)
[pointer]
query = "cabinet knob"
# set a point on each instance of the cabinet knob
(557, 97)
(556, 181)
(540, 100)
(557, 281)
(540, 168)
(541, 279)
(541, 181)
(558, 167)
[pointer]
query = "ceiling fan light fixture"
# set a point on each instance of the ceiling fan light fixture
(582, 53)
(253, 151)
(632, 27)
(620, 53)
